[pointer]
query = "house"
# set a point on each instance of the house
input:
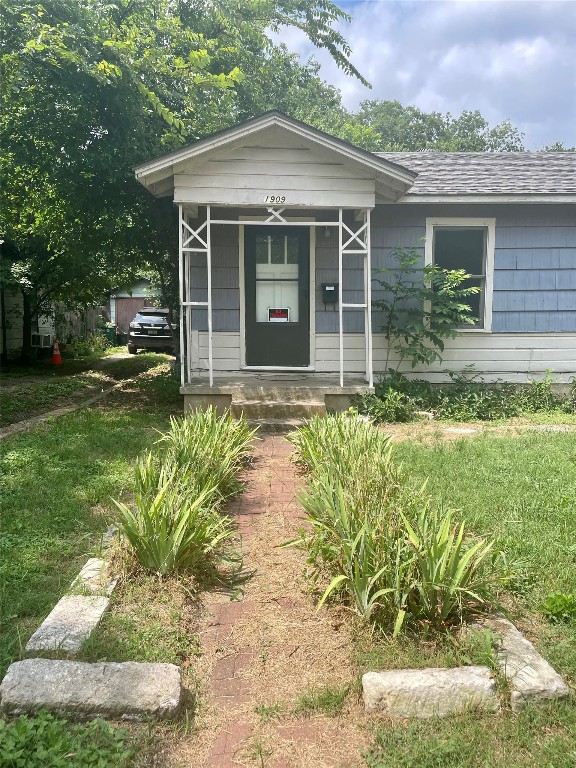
(62, 323)
(44, 329)
(282, 225)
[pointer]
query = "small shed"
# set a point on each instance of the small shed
(125, 302)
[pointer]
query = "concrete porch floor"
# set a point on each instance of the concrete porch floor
(274, 395)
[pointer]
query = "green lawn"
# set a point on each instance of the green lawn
(524, 490)
(539, 737)
(25, 400)
(44, 387)
(55, 483)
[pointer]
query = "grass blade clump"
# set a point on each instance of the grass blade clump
(210, 449)
(175, 522)
(376, 540)
(169, 528)
(452, 569)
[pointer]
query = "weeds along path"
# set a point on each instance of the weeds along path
(265, 655)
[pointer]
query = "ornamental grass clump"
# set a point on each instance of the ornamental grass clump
(211, 449)
(376, 541)
(175, 522)
(171, 529)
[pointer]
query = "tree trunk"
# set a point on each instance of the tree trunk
(4, 355)
(28, 354)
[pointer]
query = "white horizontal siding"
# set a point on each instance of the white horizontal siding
(508, 357)
(262, 182)
(225, 351)
(247, 174)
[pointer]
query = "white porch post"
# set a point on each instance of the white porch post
(183, 351)
(341, 303)
(191, 241)
(368, 310)
(209, 268)
(357, 243)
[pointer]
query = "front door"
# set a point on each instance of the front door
(277, 296)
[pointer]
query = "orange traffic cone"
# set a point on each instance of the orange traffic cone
(56, 356)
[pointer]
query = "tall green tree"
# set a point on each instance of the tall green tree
(410, 129)
(92, 87)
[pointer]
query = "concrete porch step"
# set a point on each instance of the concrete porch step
(279, 391)
(276, 426)
(278, 409)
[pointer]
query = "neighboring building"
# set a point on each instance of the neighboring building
(125, 303)
(43, 334)
(281, 227)
(63, 324)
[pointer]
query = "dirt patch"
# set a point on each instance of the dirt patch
(430, 432)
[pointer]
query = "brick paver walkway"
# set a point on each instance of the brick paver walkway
(264, 648)
(271, 484)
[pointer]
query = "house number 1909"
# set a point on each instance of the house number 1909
(275, 199)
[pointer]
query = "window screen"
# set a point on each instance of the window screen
(464, 248)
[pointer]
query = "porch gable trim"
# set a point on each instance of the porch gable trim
(398, 176)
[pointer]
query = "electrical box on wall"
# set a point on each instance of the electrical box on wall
(330, 293)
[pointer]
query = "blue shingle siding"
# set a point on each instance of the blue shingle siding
(352, 289)
(532, 235)
(534, 269)
(534, 259)
(225, 281)
(537, 322)
(222, 320)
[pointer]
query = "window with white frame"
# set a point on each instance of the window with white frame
(468, 244)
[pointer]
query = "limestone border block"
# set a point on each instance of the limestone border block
(530, 676)
(118, 691)
(431, 692)
(94, 577)
(68, 625)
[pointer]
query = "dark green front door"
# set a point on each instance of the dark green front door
(277, 296)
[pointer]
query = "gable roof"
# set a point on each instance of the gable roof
(382, 168)
(404, 177)
(489, 175)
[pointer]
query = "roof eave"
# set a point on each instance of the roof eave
(552, 197)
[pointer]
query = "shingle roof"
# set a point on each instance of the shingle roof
(488, 173)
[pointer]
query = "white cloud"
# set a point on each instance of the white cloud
(511, 59)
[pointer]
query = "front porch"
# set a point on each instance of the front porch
(271, 399)
(275, 264)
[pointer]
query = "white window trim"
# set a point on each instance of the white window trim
(455, 221)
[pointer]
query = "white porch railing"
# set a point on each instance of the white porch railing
(351, 241)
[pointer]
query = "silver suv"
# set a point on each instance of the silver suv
(151, 329)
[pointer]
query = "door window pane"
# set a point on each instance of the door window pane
(278, 251)
(272, 294)
(262, 249)
(292, 250)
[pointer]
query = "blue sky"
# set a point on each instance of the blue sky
(511, 59)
